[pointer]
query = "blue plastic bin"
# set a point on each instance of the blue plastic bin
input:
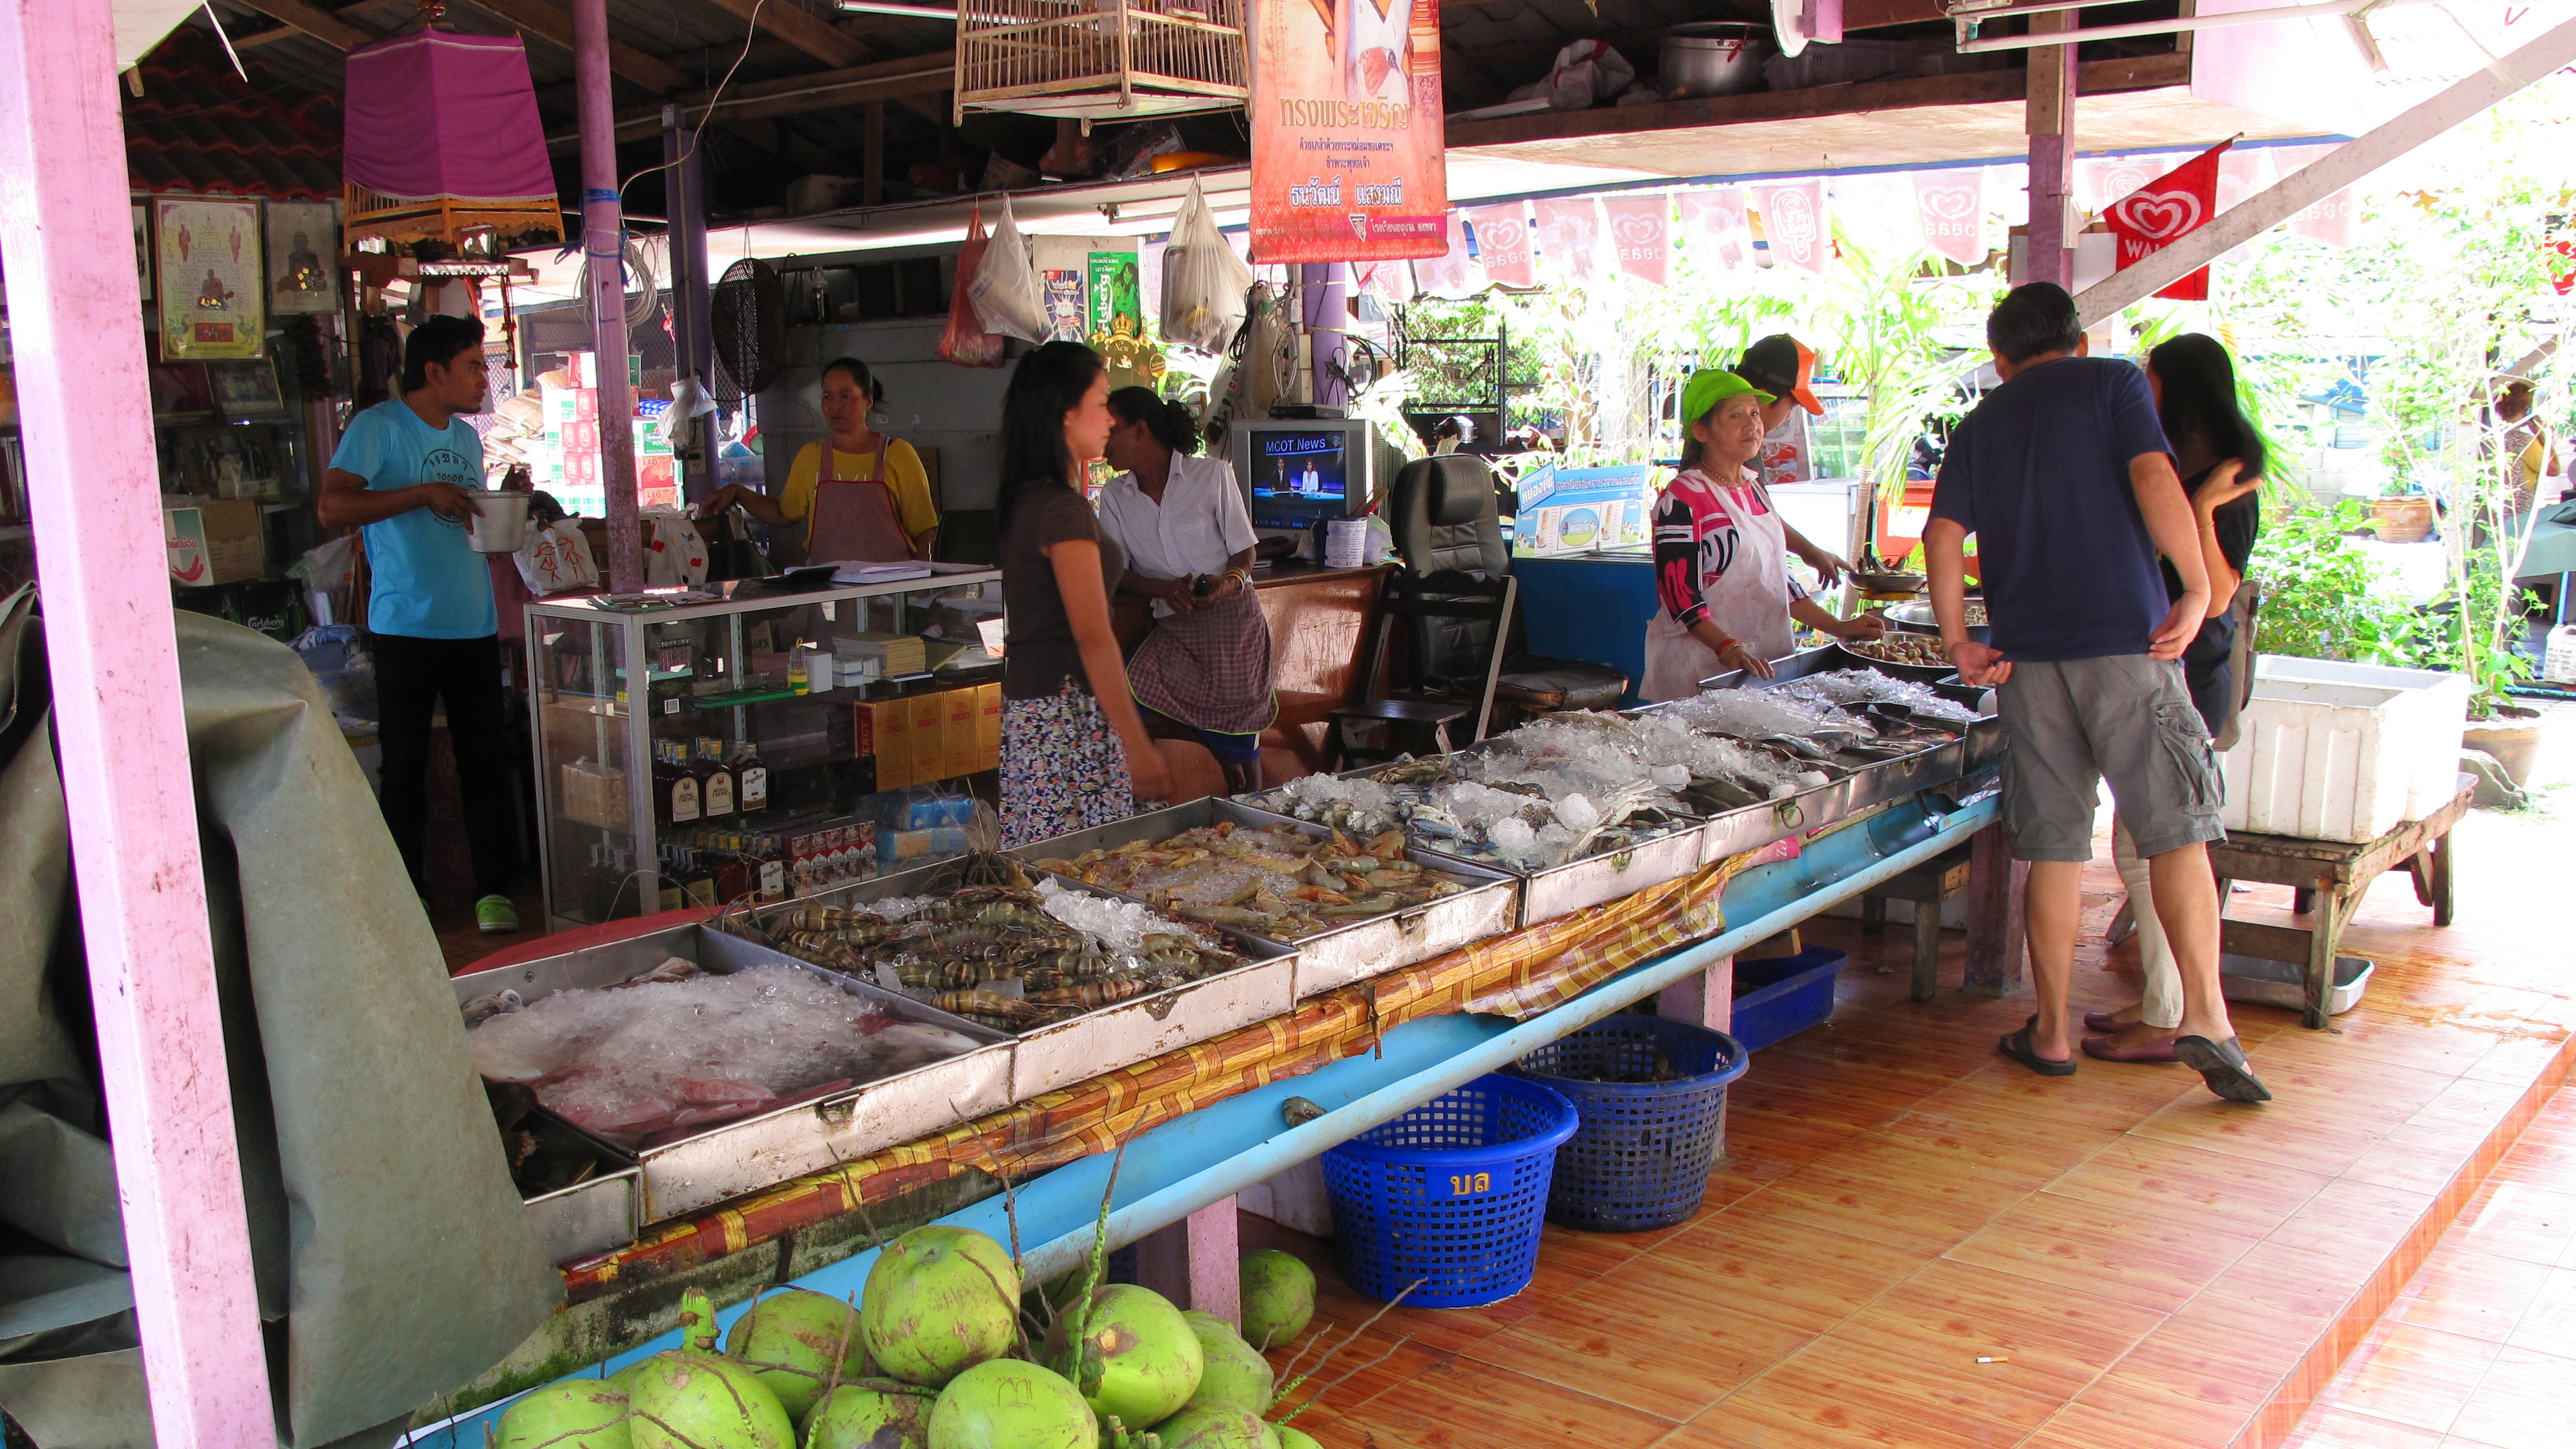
(1642, 1156)
(1450, 1194)
(1780, 996)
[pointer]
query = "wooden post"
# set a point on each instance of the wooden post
(1196, 1264)
(2049, 118)
(1997, 886)
(66, 240)
(603, 245)
(1707, 999)
(872, 153)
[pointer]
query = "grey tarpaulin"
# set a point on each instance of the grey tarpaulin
(383, 1225)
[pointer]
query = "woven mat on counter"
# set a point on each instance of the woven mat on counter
(1517, 975)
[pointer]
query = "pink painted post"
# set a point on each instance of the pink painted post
(1707, 999)
(603, 234)
(86, 412)
(1196, 1263)
(2051, 126)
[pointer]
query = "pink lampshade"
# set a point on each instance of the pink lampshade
(436, 114)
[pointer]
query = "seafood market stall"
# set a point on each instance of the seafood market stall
(1161, 985)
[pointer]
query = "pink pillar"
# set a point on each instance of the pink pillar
(1707, 999)
(603, 231)
(1195, 1263)
(2051, 125)
(86, 411)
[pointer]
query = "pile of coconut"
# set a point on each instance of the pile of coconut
(943, 1351)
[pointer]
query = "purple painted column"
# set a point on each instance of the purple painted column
(86, 411)
(2051, 126)
(1196, 1263)
(603, 231)
(1328, 316)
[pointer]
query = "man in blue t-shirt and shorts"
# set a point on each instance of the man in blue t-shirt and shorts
(408, 470)
(2064, 475)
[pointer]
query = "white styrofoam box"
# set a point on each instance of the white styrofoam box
(2429, 719)
(2343, 752)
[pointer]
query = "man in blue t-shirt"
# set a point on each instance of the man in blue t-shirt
(2064, 476)
(408, 471)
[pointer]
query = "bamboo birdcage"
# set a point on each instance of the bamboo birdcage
(1101, 59)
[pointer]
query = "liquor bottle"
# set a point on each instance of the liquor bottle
(750, 780)
(735, 879)
(675, 789)
(715, 782)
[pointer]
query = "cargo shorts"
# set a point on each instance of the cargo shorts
(2127, 719)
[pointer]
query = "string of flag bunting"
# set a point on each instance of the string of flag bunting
(1959, 214)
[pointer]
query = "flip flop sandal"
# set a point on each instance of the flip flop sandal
(2016, 1045)
(2222, 1067)
(2103, 1023)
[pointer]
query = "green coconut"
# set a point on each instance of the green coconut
(939, 1301)
(1292, 1437)
(1139, 1359)
(1278, 1298)
(571, 1414)
(792, 1339)
(1216, 1426)
(685, 1399)
(860, 1416)
(1009, 1403)
(1229, 1371)
(697, 1327)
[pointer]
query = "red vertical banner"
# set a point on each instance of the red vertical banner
(1569, 235)
(1347, 131)
(1503, 244)
(1641, 234)
(2102, 180)
(1718, 219)
(2172, 206)
(1951, 207)
(1793, 221)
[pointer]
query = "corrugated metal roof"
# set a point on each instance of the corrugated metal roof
(197, 127)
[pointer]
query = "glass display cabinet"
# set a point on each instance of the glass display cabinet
(741, 746)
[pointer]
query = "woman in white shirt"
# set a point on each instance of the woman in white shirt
(1204, 673)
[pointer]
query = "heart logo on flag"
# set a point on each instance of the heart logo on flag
(2160, 216)
(1502, 237)
(1638, 231)
(1953, 203)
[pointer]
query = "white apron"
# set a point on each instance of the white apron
(1749, 602)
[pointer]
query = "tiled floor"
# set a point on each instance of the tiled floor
(1915, 1243)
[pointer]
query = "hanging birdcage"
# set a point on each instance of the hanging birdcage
(1097, 60)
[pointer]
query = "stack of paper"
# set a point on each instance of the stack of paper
(895, 653)
(878, 573)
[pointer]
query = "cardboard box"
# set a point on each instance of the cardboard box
(594, 795)
(958, 734)
(212, 540)
(929, 739)
(988, 726)
(883, 729)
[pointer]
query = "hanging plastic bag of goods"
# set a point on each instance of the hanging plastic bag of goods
(1203, 280)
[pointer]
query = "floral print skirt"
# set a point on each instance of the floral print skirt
(1063, 768)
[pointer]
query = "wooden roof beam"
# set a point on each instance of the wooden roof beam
(313, 20)
(801, 28)
(552, 24)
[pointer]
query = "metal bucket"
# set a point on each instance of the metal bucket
(1714, 58)
(502, 526)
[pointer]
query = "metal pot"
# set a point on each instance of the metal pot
(502, 526)
(1714, 58)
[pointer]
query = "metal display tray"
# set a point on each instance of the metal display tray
(1044, 1058)
(1985, 738)
(728, 1159)
(1344, 954)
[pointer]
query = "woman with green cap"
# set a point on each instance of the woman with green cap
(1721, 553)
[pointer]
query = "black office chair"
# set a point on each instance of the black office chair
(1449, 697)
(1445, 517)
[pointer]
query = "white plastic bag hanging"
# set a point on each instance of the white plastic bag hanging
(555, 558)
(1006, 293)
(1203, 280)
(674, 555)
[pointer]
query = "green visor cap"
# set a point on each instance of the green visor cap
(1713, 385)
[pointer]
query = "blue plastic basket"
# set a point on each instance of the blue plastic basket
(1779, 996)
(1642, 1156)
(1450, 1194)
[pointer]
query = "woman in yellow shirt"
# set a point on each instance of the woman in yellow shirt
(858, 453)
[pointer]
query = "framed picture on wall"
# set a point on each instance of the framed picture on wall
(212, 297)
(246, 389)
(303, 252)
(232, 462)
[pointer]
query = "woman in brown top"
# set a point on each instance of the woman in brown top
(1074, 750)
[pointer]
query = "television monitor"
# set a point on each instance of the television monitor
(1297, 471)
